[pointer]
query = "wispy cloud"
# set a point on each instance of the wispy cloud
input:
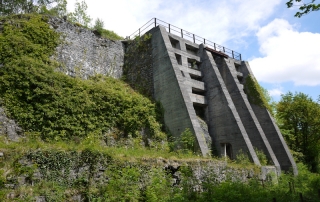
(219, 21)
(276, 92)
(289, 55)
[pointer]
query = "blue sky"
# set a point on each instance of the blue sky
(283, 51)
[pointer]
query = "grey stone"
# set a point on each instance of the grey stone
(84, 54)
(11, 195)
(21, 180)
(77, 198)
(9, 186)
(9, 127)
(40, 199)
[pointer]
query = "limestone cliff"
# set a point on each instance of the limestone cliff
(82, 53)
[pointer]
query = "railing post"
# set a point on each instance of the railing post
(240, 57)
(181, 33)
(232, 55)
(204, 41)
(155, 22)
(194, 40)
(224, 50)
(169, 28)
(214, 45)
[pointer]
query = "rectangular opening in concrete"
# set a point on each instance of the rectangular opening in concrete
(237, 67)
(183, 74)
(226, 150)
(193, 64)
(240, 77)
(175, 43)
(195, 77)
(200, 110)
(178, 57)
(192, 50)
(198, 91)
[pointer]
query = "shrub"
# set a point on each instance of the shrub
(55, 105)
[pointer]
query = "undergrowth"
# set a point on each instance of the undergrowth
(109, 34)
(83, 117)
(55, 105)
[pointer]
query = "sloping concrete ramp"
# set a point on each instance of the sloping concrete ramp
(196, 83)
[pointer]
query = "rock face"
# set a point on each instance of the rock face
(9, 127)
(84, 54)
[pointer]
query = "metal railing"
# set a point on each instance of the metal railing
(154, 22)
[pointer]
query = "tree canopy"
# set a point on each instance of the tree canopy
(304, 8)
(54, 7)
(299, 119)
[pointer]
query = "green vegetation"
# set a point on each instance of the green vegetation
(304, 8)
(100, 173)
(55, 105)
(80, 14)
(98, 28)
(185, 143)
(56, 8)
(100, 139)
(52, 7)
(299, 120)
(256, 94)
(137, 66)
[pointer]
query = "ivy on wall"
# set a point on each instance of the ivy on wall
(138, 65)
(255, 93)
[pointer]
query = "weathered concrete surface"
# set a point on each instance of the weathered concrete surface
(239, 98)
(271, 130)
(138, 65)
(224, 122)
(84, 54)
(170, 86)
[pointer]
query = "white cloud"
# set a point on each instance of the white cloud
(288, 55)
(216, 20)
(275, 92)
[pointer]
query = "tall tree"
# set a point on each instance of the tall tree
(304, 8)
(80, 14)
(299, 117)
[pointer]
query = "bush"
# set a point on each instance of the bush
(56, 105)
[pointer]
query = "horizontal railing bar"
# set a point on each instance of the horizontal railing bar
(187, 35)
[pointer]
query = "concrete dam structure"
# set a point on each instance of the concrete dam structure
(202, 86)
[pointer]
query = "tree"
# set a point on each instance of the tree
(299, 118)
(80, 14)
(98, 25)
(54, 7)
(304, 8)
(59, 8)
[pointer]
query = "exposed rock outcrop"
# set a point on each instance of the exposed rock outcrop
(9, 127)
(84, 54)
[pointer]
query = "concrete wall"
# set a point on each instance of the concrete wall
(171, 90)
(257, 136)
(138, 65)
(225, 125)
(201, 90)
(271, 129)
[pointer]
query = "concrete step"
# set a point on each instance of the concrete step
(198, 85)
(198, 99)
